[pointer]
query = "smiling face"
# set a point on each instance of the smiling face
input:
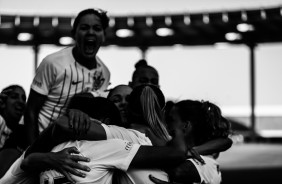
(89, 36)
(14, 105)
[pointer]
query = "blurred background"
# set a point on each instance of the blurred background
(240, 72)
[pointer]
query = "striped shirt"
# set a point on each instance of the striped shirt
(59, 77)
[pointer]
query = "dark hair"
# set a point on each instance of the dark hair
(100, 13)
(146, 104)
(206, 119)
(11, 87)
(7, 90)
(142, 63)
(96, 107)
(168, 106)
(114, 88)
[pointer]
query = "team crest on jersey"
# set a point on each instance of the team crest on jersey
(98, 80)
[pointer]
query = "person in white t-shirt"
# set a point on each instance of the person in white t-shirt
(69, 71)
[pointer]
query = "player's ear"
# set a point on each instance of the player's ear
(187, 127)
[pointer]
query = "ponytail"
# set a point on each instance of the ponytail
(213, 116)
(153, 113)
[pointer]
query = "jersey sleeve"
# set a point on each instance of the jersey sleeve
(105, 156)
(106, 74)
(120, 153)
(112, 132)
(44, 77)
(116, 132)
(209, 172)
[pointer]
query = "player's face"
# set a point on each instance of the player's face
(174, 121)
(120, 98)
(146, 76)
(15, 103)
(89, 36)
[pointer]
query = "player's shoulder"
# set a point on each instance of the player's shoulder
(59, 57)
(101, 63)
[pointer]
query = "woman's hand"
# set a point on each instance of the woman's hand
(65, 161)
(78, 121)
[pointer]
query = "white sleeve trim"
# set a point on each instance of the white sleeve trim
(107, 130)
(130, 157)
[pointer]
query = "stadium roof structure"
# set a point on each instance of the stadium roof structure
(251, 26)
(248, 26)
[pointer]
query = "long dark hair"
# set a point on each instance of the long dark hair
(206, 119)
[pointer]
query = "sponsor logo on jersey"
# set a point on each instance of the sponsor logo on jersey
(75, 82)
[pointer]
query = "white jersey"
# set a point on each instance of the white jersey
(137, 176)
(105, 156)
(209, 172)
(59, 77)
(15, 175)
(116, 132)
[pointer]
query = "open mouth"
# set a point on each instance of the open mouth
(90, 46)
(19, 109)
